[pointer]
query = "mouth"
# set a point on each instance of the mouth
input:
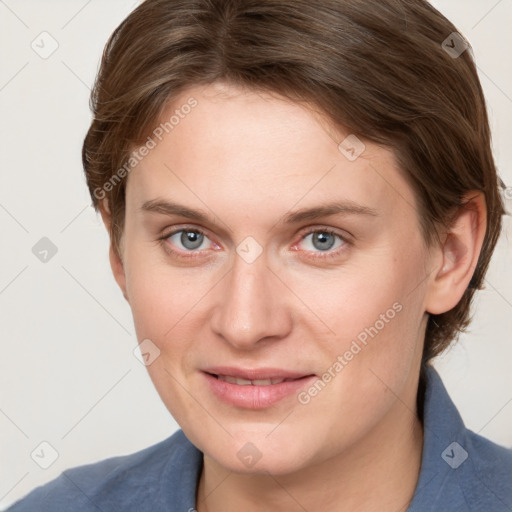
(256, 382)
(255, 388)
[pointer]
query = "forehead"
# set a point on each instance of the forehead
(237, 148)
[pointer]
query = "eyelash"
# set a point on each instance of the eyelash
(316, 254)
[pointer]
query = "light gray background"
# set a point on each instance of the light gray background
(68, 375)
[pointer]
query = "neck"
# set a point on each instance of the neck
(379, 474)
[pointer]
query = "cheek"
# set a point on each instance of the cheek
(161, 306)
(169, 307)
(359, 302)
(149, 301)
(157, 298)
(375, 315)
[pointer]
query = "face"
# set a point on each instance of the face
(282, 280)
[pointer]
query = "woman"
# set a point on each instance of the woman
(302, 200)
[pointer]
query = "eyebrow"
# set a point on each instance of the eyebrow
(334, 208)
(170, 208)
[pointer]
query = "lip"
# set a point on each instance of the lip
(255, 396)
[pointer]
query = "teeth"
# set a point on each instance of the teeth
(266, 382)
(234, 380)
(245, 382)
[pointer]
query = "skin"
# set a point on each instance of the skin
(246, 160)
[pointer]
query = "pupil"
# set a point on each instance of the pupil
(323, 240)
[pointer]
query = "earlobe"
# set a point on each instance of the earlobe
(458, 255)
(116, 263)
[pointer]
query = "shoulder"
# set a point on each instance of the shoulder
(488, 473)
(146, 480)
(460, 470)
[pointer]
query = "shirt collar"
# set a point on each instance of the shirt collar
(444, 447)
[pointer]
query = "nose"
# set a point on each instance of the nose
(252, 305)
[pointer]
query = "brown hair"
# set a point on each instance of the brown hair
(377, 68)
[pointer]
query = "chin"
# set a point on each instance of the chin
(257, 452)
(270, 463)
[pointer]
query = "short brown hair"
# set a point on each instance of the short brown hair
(377, 68)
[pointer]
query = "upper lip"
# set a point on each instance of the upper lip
(256, 373)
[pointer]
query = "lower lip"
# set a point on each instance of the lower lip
(255, 397)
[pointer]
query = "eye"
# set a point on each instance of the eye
(190, 241)
(187, 239)
(323, 240)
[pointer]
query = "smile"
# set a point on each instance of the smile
(254, 389)
(256, 382)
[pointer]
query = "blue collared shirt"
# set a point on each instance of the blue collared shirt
(460, 472)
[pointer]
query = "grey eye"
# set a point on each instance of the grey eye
(323, 241)
(188, 239)
(191, 239)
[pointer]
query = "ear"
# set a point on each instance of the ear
(116, 263)
(457, 256)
